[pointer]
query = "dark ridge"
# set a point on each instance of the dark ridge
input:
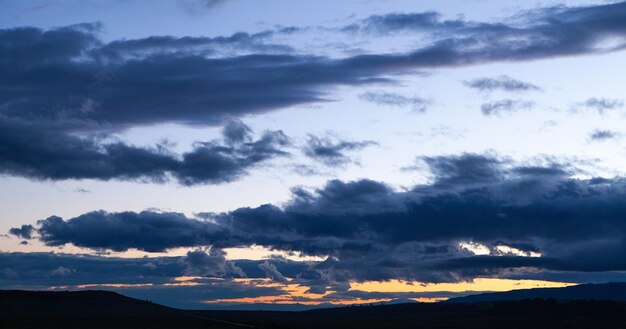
(103, 309)
(91, 309)
(521, 314)
(77, 303)
(615, 291)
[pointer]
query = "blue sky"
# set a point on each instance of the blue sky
(291, 151)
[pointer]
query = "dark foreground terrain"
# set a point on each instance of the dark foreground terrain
(100, 309)
(92, 309)
(507, 315)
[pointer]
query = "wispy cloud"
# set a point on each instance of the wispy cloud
(505, 106)
(503, 82)
(416, 104)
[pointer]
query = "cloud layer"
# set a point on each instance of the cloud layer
(37, 152)
(61, 83)
(368, 231)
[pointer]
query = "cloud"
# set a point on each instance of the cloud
(369, 231)
(149, 231)
(62, 271)
(211, 264)
(465, 169)
(602, 135)
(272, 272)
(200, 5)
(153, 278)
(403, 22)
(67, 82)
(503, 82)
(236, 132)
(505, 106)
(602, 105)
(416, 104)
(34, 151)
(332, 152)
(24, 232)
(192, 88)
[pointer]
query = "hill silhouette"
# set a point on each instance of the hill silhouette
(103, 309)
(615, 291)
(522, 314)
(91, 309)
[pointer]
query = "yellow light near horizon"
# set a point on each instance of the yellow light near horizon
(114, 285)
(186, 278)
(479, 284)
(295, 293)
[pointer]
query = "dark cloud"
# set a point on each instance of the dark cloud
(331, 152)
(503, 82)
(148, 231)
(416, 104)
(272, 272)
(37, 152)
(210, 264)
(64, 67)
(24, 232)
(464, 169)
(505, 106)
(154, 80)
(60, 82)
(45, 270)
(65, 271)
(63, 83)
(397, 22)
(602, 135)
(123, 50)
(236, 132)
(369, 231)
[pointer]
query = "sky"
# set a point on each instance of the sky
(210, 153)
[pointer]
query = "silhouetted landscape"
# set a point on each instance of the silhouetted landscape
(584, 306)
(172, 164)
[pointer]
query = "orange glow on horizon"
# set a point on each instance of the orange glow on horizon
(114, 285)
(479, 284)
(287, 300)
(186, 278)
(297, 294)
(294, 293)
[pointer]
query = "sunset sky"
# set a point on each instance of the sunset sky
(205, 153)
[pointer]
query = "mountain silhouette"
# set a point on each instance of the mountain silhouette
(615, 291)
(585, 306)
(92, 309)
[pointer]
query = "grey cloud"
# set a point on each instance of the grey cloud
(236, 132)
(464, 169)
(199, 90)
(35, 151)
(66, 80)
(24, 232)
(123, 50)
(272, 272)
(201, 6)
(147, 231)
(368, 231)
(602, 105)
(416, 104)
(211, 264)
(62, 271)
(505, 106)
(502, 82)
(602, 135)
(403, 22)
(332, 152)
(44, 270)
